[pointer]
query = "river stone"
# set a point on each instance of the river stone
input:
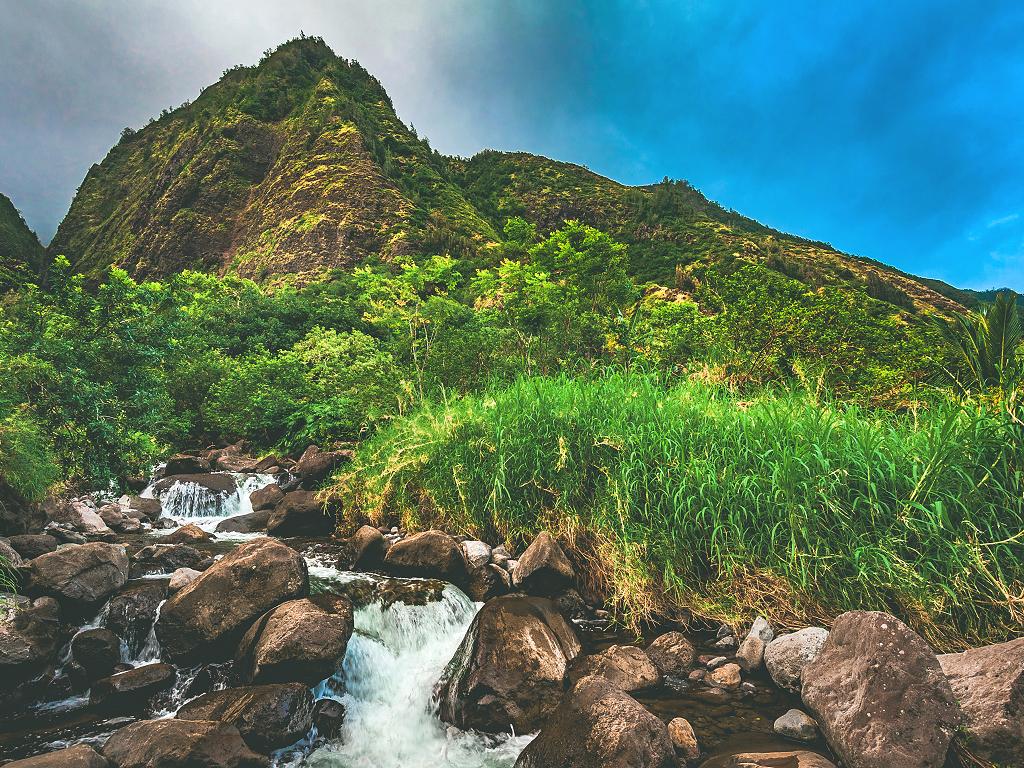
(130, 690)
(31, 545)
(786, 656)
(367, 549)
(78, 756)
(750, 655)
(543, 569)
(132, 610)
(219, 486)
(315, 465)
(180, 744)
(683, 738)
(29, 638)
(673, 654)
(624, 666)
(266, 498)
(328, 716)
(187, 534)
(182, 578)
(212, 612)
(79, 515)
(298, 640)
(430, 555)
(231, 459)
(138, 506)
(599, 726)
(726, 676)
(796, 725)
(167, 558)
(510, 670)
(478, 553)
(879, 695)
(250, 522)
(80, 573)
(488, 582)
(97, 651)
(115, 517)
(989, 684)
(268, 716)
(797, 759)
(300, 513)
(9, 556)
(183, 464)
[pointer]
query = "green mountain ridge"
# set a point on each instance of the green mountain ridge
(21, 255)
(287, 170)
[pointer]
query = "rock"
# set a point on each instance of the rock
(762, 630)
(138, 506)
(727, 643)
(750, 655)
(167, 558)
(673, 654)
(367, 549)
(599, 726)
(270, 465)
(570, 605)
(797, 725)
(187, 534)
(431, 555)
(183, 464)
(478, 554)
(97, 651)
(328, 716)
(510, 669)
(78, 756)
(231, 459)
(182, 578)
(212, 612)
(786, 656)
(17, 514)
(726, 676)
(180, 744)
(132, 610)
(29, 638)
(988, 683)
(266, 498)
(267, 716)
(9, 556)
(164, 524)
(879, 695)
(298, 640)
(80, 516)
(250, 522)
(315, 465)
(115, 517)
(32, 545)
(129, 691)
(798, 759)
(724, 630)
(300, 513)
(624, 666)
(488, 582)
(543, 569)
(81, 573)
(715, 662)
(683, 738)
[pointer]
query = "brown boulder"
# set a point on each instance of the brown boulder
(130, 690)
(187, 534)
(268, 716)
(29, 637)
(624, 666)
(879, 695)
(543, 569)
(300, 513)
(488, 582)
(131, 612)
(266, 497)
(367, 549)
(673, 654)
(167, 558)
(219, 486)
(80, 573)
(510, 670)
(184, 464)
(180, 744)
(97, 651)
(31, 545)
(315, 465)
(250, 522)
(794, 759)
(9, 556)
(429, 555)
(78, 756)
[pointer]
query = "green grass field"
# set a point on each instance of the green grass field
(688, 499)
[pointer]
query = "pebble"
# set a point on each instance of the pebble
(715, 662)
(683, 738)
(726, 676)
(797, 725)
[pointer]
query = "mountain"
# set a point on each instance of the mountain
(21, 255)
(289, 169)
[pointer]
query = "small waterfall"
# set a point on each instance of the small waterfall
(150, 651)
(188, 502)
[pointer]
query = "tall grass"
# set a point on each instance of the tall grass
(686, 499)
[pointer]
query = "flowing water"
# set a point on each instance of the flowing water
(187, 502)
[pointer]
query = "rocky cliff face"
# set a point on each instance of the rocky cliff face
(21, 255)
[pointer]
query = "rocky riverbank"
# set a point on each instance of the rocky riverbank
(214, 619)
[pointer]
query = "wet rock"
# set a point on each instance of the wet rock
(328, 716)
(796, 725)
(750, 655)
(79, 515)
(116, 518)
(78, 756)
(80, 575)
(510, 669)
(231, 459)
(97, 651)
(9, 556)
(570, 605)
(187, 534)
(673, 654)
(132, 610)
(212, 612)
(140, 507)
(183, 464)
(167, 558)
(164, 524)
(478, 553)
(182, 578)
(298, 640)
(180, 744)
(315, 465)
(543, 569)
(431, 555)
(250, 522)
(879, 695)
(367, 549)
(487, 582)
(988, 683)
(29, 638)
(266, 498)
(129, 691)
(599, 726)
(267, 716)
(726, 676)
(624, 666)
(798, 759)
(683, 739)
(786, 656)
(300, 513)
(32, 545)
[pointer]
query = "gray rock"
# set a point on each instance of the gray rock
(29, 638)
(673, 654)
(478, 553)
(786, 656)
(797, 725)
(182, 578)
(750, 655)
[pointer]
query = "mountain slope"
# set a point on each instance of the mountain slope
(21, 255)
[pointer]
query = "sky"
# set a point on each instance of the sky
(893, 130)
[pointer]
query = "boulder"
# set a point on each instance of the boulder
(786, 656)
(328, 716)
(78, 756)
(430, 555)
(80, 515)
(80, 573)
(232, 458)
(315, 465)
(180, 744)
(132, 610)
(97, 651)
(796, 725)
(29, 637)
(140, 507)
(298, 640)
(488, 582)
(598, 725)
(300, 513)
(167, 558)
(187, 534)
(116, 518)
(9, 556)
(478, 553)
(797, 759)
(183, 464)
(182, 578)
(683, 739)
(32, 545)
(129, 691)
(673, 654)
(17, 514)
(212, 612)
(250, 522)
(510, 670)
(367, 549)
(266, 498)
(726, 676)
(268, 716)
(750, 655)
(543, 569)
(879, 695)
(624, 666)
(988, 683)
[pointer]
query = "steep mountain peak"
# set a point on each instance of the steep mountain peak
(21, 255)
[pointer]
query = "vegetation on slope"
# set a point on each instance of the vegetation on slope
(21, 255)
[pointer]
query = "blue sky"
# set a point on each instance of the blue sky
(891, 130)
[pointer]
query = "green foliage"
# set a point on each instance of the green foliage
(689, 498)
(26, 460)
